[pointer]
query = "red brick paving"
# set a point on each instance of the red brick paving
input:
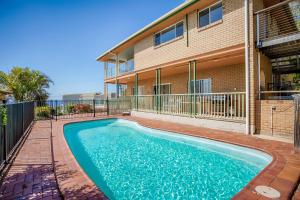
(31, 175)
(282, 174)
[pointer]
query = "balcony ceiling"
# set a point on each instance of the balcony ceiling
(281, 50)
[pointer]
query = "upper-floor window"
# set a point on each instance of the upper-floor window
(210, 15)
(169, 34)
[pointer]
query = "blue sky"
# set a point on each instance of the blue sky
(62, 38)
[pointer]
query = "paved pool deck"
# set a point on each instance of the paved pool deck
(42, 172)
(31, 175)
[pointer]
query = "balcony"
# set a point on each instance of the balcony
(278, 29)
(114, 68)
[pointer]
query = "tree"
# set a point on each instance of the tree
(26, 84)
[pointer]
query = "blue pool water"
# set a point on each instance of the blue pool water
(128, 161)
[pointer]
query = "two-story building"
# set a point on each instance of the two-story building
(229, 64)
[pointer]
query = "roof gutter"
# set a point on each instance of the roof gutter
(151, 25)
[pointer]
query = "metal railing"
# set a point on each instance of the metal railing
(282, 19)
(119, 105)
(14, 123)
(210, 105)
(60, 109)
(278, 95)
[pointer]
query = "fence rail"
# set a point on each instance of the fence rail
(15, 121)
(210, 105)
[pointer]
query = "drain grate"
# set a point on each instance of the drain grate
(267, 192)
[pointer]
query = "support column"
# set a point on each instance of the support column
(157, 85)
(117, 65)
(105, 90)
(190, 87)
(194, 78)
(117, 88)
(136, 91)
(105, 69)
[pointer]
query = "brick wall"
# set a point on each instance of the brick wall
(227, 33)
(283, 117)
(224, 79)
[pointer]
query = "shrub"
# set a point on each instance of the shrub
(82, 108)
(70, 109)
(43, 111)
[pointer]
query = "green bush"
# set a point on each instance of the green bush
(70, 108)
(43, 111)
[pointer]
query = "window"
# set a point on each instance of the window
(201, 85)
(168, 34)
(179, 29)
(164, 89)
(204, 18)
(210, 15)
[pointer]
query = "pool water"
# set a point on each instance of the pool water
(129, 161)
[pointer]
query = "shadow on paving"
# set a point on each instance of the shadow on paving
(80, 190)
(30, 182)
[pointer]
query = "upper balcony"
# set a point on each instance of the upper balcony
(278, 29)
(119, 64)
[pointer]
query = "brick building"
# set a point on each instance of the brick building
(204, 63)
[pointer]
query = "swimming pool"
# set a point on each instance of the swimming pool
(129, 161)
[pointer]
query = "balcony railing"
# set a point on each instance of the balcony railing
(280, 20)
(278, 95)
(228, 106)
(122, 68)
(126, 67)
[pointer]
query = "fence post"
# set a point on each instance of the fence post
(107, 106)
(52, 109)
(55, 110)
(4, 136)
(94, 107)
(22, 118)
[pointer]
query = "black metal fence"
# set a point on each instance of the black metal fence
(14, 122)
(62, 109)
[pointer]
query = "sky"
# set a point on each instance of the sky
(63, 38)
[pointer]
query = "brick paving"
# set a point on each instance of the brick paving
(31, 175)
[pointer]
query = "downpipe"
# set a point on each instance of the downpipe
(247, 66)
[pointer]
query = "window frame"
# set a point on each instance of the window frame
(201, 86)
(209, 17)
(175, 29)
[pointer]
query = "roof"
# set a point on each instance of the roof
(171, 13)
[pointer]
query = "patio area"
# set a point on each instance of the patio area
(45, 168)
